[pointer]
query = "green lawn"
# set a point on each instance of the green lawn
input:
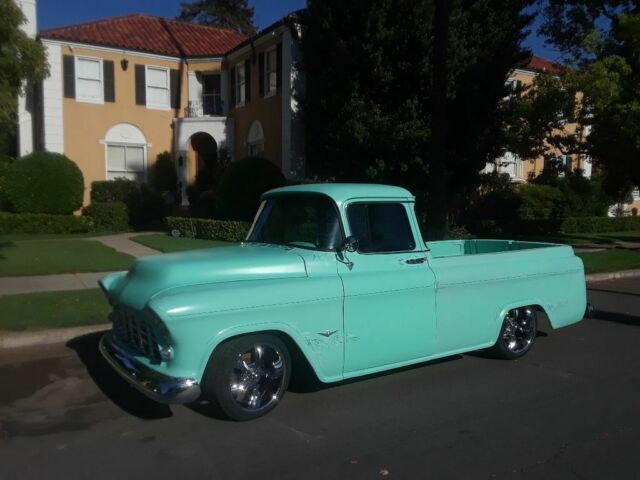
(53, 309)
(166, 243)
(610, 260)
(42, 257)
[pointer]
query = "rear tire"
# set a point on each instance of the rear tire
(247, 376)
(517, 334)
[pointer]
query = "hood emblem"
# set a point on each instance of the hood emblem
(328, 333)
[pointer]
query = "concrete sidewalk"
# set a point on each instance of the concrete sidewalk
(122, 243)
(49, 283)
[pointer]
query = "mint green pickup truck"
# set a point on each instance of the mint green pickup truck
(335, 277)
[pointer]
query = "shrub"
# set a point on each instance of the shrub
(163, 175)
(599, 224)
(30, 223)
(144, 203)
(242, 185)
(229, 231)
(107, 216)
(539, 202)
(5, 163)
(45, 182)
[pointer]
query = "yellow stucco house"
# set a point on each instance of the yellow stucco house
(122, 90)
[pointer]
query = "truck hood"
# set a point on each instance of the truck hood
(154, 274)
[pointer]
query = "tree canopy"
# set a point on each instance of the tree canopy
(599, 89)
(22, 62)
(369, 68)
(234, 14)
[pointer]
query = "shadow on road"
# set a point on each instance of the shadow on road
(114, 387)
(616, 292)
(618, 318)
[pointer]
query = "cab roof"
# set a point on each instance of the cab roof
(342, 192)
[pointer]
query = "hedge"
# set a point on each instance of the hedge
(228, 231)
(44, 182)
(144, 203)
(571, 225)
(28, 223)
(107, 216)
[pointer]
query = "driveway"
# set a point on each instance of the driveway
(569, 409)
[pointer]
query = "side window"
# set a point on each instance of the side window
(381, 227)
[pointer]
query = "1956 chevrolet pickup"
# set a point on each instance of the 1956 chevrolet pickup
(335, 276)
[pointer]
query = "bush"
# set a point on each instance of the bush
(539, 202)
(204, 205)
(144, 203)
(107, 216)
(228, 231)
(599, 224)
(31, 223)
(44, 182)
(242, 185)
(5, 163)
(163, 175)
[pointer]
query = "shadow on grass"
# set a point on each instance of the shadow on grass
(111, 384)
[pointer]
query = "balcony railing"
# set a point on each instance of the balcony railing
(209, 106)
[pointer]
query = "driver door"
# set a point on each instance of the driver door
(389, 303)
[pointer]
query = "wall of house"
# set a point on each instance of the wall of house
(266, 110)
(86, 124)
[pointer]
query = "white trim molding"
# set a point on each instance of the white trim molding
(52, 101)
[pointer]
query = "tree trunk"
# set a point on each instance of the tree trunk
(436, 208)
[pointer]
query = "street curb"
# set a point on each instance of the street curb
(50, 336)
(599, 277)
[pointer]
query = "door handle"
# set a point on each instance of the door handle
(415, 261)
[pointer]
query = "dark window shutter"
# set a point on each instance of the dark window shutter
(141, 87)
(279, 66)
(175, 88)
(247, 81)
(232, 87)
(109, 81)
(261, 73)
(69, 76)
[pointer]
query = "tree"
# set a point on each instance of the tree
(22, 63)
(370, 91)
(234, 14)
(600, 41)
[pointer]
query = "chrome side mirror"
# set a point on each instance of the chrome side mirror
(350, 244)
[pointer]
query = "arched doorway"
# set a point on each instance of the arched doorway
(204, 160)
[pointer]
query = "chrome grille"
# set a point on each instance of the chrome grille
(136, 333)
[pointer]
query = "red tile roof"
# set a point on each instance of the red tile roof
(540, 64)
(151, 34)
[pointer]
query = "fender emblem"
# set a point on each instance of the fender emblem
(327, 333)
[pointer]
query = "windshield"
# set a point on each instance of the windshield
(303, 220)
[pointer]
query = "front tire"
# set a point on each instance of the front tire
(247, 376)
(517, 334)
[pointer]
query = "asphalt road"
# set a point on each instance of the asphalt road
(569, 409)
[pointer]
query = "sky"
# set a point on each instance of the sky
(57, 13)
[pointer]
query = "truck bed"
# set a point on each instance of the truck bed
(455, 248)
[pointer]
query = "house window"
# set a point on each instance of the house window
(89, 80)
(255, 139)
(158, 89)
(240, 81)
(270, 72)
(126, 161)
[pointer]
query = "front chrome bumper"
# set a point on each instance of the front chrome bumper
(155, 385)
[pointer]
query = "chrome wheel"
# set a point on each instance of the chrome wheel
(519, 330)
(257, 378)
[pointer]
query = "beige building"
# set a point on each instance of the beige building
(123, 90)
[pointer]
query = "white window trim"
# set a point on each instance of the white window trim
(269, 93)
(126, 145)
(239, 104)
(152, 106)
(98, 101)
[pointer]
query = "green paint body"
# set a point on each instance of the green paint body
(380, 314)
